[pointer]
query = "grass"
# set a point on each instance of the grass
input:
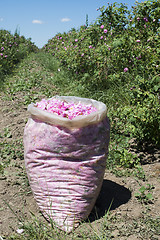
(40, 75)
(111, 227)
(35, 229)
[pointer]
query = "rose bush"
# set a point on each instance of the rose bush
(121, 51)
(13, 48)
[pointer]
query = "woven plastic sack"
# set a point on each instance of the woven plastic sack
(65, 161)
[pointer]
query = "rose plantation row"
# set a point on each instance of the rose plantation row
(119, 51)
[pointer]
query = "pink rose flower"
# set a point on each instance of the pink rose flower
(125, 69)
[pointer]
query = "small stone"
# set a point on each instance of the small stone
(20, 231)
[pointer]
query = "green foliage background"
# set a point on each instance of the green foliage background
(117, 59)
(13, 48)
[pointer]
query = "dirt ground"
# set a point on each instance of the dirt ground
(16, 199)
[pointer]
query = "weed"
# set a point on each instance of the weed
(144, 194)
(139, 173)
(10, 149)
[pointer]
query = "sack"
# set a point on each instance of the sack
(65, 161)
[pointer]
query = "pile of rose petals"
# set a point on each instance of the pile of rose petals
(65, 109)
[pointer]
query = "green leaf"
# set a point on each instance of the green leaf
(149, 196)
(137, 194)
(142, 189)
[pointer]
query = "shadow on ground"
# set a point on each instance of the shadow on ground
(112, 195)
